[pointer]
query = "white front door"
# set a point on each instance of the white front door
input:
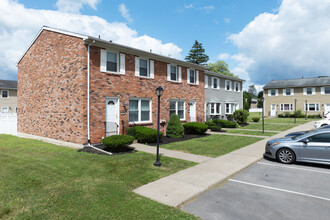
(192, 110)
(273, 110)
(326, 108)
(112, 119)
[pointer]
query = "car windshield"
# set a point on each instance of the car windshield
(303, 135)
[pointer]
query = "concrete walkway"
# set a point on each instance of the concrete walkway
(172, 153)
(180, 187)
(250, 130)
(236, 134)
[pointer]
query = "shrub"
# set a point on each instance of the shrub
(118, 143)
(286, 114)
(144, 134)
(225, 123)
(256, 119)
(215, 128)
(195, 128)
(280, 115)
(210, 123)
(174, 127)
(241, 116)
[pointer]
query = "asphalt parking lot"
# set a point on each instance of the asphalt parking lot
(268, 190)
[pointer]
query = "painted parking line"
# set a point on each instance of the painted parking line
(278, 189)
(296, 168)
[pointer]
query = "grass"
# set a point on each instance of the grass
(251, 132)
(270, 127)
(213, 145)
(279, 120)
(44, 181)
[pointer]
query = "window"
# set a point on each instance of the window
(192, 76)
(215, 108)
(327, 90)
(177, 107)
(309, 91)
(215, 83)
(139, 110)
(143, 67)
(312, 107)
(230, 108)
(112, 61)
(286, 107)
(237, 86)
(272, 92)
(288, 92)
(325, 138)
(228, 85)
(4, 110)
(174, 73)
(5, 93)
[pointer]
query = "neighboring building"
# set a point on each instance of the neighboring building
(254, 103)
(8, 97)
(311, 95)
(57, 101)
(223, 95)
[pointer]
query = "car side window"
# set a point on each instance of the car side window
(325, 137)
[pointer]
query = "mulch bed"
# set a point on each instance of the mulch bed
(168, 140)
(102, 147)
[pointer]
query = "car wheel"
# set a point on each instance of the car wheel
(286, 155)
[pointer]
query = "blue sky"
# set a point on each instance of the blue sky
(261, 40)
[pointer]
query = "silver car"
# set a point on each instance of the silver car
(313, 147)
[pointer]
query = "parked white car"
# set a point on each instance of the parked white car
(321, 123)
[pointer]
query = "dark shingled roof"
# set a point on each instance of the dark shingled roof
(8, 84)
(302, 82)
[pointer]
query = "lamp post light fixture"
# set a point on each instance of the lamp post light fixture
(295, 111)
(159, 92)
(263, 115)
(306, 109)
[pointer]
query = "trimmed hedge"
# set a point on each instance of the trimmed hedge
(210, 123)
(256, 119)
(241, 116)
(144, 134)
(195, 128)
(225, 123)
(174, 127)
(118, 143)
(215, 128)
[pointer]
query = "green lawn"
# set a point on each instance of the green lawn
(270, 127)
(252, 132)
(44, 181)
(279, 120)
(213, 145)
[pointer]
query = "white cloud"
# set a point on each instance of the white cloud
(189, 6)
(223, 56)
(292, 43)
(227, 20)
(74, 6)
(207, 8)
(124, 12)
(18, 31)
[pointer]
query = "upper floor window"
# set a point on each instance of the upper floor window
(5, 93)
(309, 91)
(215, 83)
(112, 62)
(228, 85)
(273, 92)
(288, 92)
(174, 74)
(192, 77)
(139, 110)
(237, 86)
(325, 90)
(177, 107)
(143, 67)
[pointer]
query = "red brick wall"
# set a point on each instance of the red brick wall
(52, 80)
(127, 86)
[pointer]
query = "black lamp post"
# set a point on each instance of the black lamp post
(295, 111)
(306, 109)
(263, 115)
(159, 92)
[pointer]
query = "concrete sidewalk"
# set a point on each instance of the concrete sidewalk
(180, 187)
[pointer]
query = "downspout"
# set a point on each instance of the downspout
(88, 99)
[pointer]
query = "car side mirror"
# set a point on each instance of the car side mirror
(305, 141)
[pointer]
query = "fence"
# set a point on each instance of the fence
(8, 124)
(255, 110)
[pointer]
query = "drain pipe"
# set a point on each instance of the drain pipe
(88, 112)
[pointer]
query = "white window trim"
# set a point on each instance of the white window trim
(230, 84)
(239, 86)
(7, 93)
(118, 66)
(291, 92)
(323, 90)
(230, 108)
(148, 68)
(305, 91)
(177, 73)
(176, 107)
(4, 107)
(218, 83)
(196, 77)
(282, 107)
(215, 103)
(139, 110)
(270, 92)
(315, 107)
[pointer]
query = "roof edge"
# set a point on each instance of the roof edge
(224, 76)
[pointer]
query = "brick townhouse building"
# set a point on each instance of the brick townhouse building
(76, 88)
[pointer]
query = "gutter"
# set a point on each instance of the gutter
(88, 98)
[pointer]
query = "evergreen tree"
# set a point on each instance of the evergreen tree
(197, 54)
(247, 97)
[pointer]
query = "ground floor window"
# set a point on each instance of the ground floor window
(230, 108)
(215, 108)
(286, 107)
(312, 107)
(139, 110)
(4, 110)
(177, 107)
